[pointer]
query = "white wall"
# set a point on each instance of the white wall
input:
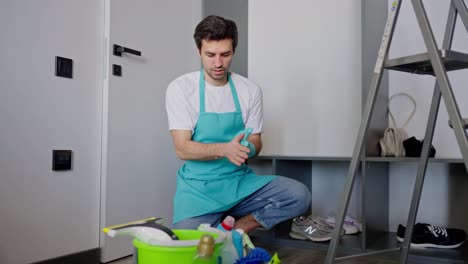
(45, 214)
(306, 56)
(439, 199)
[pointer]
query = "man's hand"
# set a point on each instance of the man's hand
(186, 149)
(235, 152)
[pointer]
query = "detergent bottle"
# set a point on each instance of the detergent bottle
(228, 252)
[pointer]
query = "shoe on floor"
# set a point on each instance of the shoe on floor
(429, 236)
(315, 229)
(350, 225)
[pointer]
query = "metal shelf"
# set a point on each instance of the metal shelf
(311, 158)
(367, 159)
(412, 159)
(421, 63)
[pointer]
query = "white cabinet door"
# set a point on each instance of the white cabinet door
(139, 162)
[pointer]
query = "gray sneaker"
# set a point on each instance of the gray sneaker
(312, 228)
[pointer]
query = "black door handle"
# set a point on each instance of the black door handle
(118, 50)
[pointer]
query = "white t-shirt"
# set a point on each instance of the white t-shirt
(183, 101)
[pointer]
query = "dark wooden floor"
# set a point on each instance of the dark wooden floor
(300, 256)
(315, 256)
(309, 256)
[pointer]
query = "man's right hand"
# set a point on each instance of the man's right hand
(235, 152)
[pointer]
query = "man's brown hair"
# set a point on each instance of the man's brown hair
(215, 28)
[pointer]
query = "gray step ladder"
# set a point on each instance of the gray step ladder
(434, 62)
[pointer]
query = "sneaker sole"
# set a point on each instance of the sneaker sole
(350, 222)
(295, 236)
(350, 232)
(427, 245)
(348, 229)
(301, 237)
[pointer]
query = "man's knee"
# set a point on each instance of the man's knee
(297, 195)
(302, 197)
(195, 222)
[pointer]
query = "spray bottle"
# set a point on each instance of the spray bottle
(228, 251)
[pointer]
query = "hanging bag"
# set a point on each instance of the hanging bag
(391, 145)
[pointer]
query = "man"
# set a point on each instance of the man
(208, 112)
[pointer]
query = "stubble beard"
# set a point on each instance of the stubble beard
(218, 77)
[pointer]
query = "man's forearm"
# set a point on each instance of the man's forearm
(256, 140)
(192, 150)
(186, 149)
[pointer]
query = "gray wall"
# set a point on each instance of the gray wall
(375, 177)
(45, 214)
(373, 24)
(443, 198)
(238, 12)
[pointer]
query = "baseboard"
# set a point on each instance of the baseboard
(91, 256)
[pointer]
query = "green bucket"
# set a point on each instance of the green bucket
(180, 251)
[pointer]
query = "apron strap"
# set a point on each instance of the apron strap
(234, 93)
(202, 92)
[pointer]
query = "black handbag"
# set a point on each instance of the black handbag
(413, 148)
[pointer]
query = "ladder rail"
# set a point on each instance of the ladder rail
(429, 134)
(365, 122)
(462, 11)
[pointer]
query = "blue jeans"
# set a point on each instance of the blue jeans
(281, 199)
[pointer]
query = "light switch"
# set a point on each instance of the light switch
(61, 160)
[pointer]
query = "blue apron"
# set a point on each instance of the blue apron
(212, 186)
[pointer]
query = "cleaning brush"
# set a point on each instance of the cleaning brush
(255, 256)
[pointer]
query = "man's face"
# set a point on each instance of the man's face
(216, 57)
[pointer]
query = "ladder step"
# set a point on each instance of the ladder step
(464, 121)
(421, 63)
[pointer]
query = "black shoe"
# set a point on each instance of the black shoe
(429, 236)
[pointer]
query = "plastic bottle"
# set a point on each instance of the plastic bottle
(205, 250)
(228, 251)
